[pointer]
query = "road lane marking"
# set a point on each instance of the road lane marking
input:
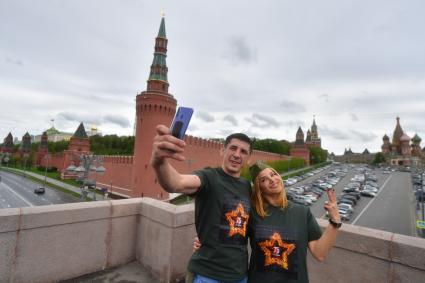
(373, 199)
(18, 195)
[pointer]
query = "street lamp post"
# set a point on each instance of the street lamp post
(46, 157)
(6, 159)
(1, 162)
(88, 162)
(422, 197)
(26, 155)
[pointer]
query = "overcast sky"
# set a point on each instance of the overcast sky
(259, 67)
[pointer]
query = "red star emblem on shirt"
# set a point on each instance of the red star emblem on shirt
(238, 220)
(276, 251)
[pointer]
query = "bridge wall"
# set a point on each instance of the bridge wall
(58, 242)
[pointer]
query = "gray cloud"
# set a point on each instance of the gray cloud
(103, 64)
(333, 133)
(324, 96)
(193, 127)
(292, 107)
(353, 117)
(205, 116)
(78, 117)
(238, 51)
(364, 137)
(294, 123)
(262, 121)
(14, 62)
(95, 119)
(225, 132)
(231, 119)
(117, 120)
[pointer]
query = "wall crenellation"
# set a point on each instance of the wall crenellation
(118, 159)
(202, 142)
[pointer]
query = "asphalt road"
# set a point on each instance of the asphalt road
(391, 210)
(18, 191)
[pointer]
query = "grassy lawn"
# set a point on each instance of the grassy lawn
(183, 199)
(54, 175)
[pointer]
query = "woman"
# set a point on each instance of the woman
(281, 232)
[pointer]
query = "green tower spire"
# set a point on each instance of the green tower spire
(159, 68)
(80, 132)
(161, 32)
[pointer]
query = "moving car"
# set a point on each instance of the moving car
(39, 190)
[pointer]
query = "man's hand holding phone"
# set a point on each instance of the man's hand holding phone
(168, 143)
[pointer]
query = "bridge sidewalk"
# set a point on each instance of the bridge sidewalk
(132, 272)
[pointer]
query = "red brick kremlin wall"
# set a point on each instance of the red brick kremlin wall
(199, 153)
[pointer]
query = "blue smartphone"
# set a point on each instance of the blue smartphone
(181, 122)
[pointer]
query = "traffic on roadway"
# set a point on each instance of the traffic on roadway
(19, 191)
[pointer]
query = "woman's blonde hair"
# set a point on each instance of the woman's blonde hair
(259, 202)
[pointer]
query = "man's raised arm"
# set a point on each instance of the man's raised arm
(166, 146)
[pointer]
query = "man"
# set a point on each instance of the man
(222, 205)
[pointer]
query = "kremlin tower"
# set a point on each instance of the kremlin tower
(153, 107)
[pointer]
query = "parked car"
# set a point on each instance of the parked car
(345, 217)
(310, 196)
(352, 198)
(354, 194)
(370, 188)
(317, 191)
(347, 201)
(301, 201)
(368, 194)
(346, 206)
(348, 190)
(371, 183)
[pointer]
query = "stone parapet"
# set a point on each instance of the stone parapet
(59, 242)
(167, 232)
(367, 255)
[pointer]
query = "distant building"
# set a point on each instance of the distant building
(54, 135)
(93, 131)
(7, 144)
(350, 157)
(312, 138)
(25, 146)
(299, 148)
(402, 150)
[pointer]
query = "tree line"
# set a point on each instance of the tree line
(124, 145)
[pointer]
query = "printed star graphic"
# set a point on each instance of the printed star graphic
(276, 251)
(238, 220)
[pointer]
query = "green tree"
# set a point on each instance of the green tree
(57, 147)
(318, 155)
(379, 158)
(112, 145)
(271, 145)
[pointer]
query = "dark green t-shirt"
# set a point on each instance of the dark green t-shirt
(279, 244)
(222, 209)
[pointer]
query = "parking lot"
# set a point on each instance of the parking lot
(391, 209)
